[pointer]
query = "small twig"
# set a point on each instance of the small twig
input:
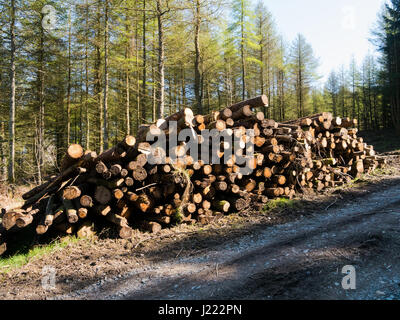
(179, 253)
(331, 204)
(148, 186)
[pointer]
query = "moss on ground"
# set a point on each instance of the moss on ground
(280, 203)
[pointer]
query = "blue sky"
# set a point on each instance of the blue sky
(336, 29)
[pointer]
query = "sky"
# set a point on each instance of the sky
(336, 29)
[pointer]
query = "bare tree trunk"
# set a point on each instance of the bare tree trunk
(11, 172)
(184, 102)
(81, 106)
(283, 96)
(197, 23)
(3, 161)
(153, 77)
(396, 90)
(242, 52)
(300, 83)
(208, 97)
(87, 76)
(154, 106)
(127, 72)
(97, 85)
(353, 83)
(40, 79)
(127, 103)
(262, 65)
(161, 58)
(144, 86)
(138, 74)
(105, 102)
(69, 82)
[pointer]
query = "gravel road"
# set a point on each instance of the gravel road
(297, 260)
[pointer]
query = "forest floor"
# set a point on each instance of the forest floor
(291, 250)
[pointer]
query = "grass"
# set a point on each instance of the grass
(280, 203)
(23, 257)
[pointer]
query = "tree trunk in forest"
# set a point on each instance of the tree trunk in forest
(138, 75)
(242, 52)
(208, 97)
(161, 58)
(154, 86)
(97, 84)
(69, 82)
(197, 72)
(87, 124)
(40, 84)
(127, 103)
(144, 86)
(11, 172)
(153, 95)
(267, 111)
(105, 102)
(183, 83)
(300, 83)
(261, 65)
(353, 102)
(127, 72)
(3, 161)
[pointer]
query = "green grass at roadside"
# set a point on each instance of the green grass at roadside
(22, 257)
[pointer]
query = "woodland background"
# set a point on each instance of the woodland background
(108, 66)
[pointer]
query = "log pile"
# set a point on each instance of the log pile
(121, 187)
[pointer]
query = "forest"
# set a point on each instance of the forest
(92, 71)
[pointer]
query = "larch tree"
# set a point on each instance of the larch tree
(332, 87)
(303, 69)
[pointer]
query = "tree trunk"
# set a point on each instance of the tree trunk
(40, 131)
(138, 75)
(197, 72)
(161, 58)
(105, 102)
(184, 102)
(69, 82)
(87, 76)
(242, 52)
(11, 173)
(97, 85)
(127, 72)
(144, 87)
(3, 161)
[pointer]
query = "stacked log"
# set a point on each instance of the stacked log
(135, 185)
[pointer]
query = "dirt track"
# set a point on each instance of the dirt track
(297, 260)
